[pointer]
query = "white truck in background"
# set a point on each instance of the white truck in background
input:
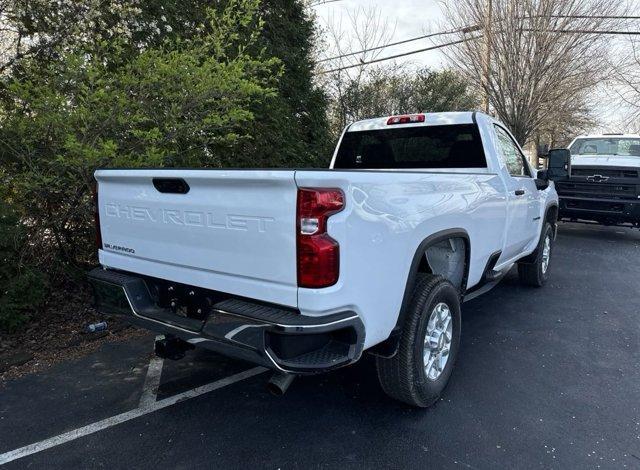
(302, 271)
(598, 180)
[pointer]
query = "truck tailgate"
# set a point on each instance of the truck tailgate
(232, 231)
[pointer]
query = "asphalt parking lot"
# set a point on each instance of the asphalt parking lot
(546, 378)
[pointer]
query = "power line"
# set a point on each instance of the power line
(417, 51)
(473, 28)
(361, 63)
(594, 17)
(384, 46)
(324, 2)
(587, 31)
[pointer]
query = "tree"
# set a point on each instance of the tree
(626, 83)
(292, 129)
(21, 287)
(43, 29)
(560, 128)
(400, 90)
(539, 71)
(358, 90)
(337, 56)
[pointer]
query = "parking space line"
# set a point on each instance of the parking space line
(152, 380)
(126, 416)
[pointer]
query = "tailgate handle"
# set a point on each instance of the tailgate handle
(171, 185)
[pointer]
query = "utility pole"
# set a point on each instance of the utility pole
(487, 54)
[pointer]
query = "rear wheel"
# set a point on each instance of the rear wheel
(429, 344)
(535, 272)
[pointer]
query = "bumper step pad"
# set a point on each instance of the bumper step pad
(276, 315)
(334, 352)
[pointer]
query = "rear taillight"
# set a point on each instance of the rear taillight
(405, 119)
(318, 253)
(96, 216)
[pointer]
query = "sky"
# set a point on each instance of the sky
(410, 17)
(417, 17)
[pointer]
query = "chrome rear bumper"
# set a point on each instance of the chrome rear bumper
(268, 335)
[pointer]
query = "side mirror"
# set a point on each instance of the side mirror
(542, 180)
(559, 164)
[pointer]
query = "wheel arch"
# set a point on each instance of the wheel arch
(419, 263)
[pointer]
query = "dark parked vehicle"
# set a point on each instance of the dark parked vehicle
(598, 179)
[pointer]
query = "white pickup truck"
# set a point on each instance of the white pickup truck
(302, 271)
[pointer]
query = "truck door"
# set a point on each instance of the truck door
(523, 203)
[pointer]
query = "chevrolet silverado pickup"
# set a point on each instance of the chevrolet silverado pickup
(602, 183)
(302, 271)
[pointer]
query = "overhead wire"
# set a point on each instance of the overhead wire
(469, 29)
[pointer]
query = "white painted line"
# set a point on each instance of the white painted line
(151, 382)
(123, 417)
(197, 340)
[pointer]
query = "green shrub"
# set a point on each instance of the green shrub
(22, 288)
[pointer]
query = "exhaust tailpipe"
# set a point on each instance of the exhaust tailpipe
(279, 383)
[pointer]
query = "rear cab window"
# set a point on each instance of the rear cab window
(424, 147)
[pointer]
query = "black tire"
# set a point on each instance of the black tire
(403, 376)
(532, 271)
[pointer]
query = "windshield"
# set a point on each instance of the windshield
(449, 146)
(607, 146)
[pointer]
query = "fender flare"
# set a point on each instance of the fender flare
(553, 206)
(389, 347)
(531, 258)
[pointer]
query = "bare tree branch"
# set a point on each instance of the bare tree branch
(627, 83)
(540, 73)
(366, 30)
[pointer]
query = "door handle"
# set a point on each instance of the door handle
(519, 192)
(171, 185)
